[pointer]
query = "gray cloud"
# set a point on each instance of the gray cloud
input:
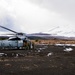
(64, 7)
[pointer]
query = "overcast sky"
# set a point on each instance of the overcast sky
(31, 16)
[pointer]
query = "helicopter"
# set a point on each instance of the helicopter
(17, 41)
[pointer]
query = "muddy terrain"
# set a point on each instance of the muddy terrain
(44, 60)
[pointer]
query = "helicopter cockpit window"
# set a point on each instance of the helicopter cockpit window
(14, 38)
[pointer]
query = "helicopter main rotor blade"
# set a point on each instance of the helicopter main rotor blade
(8, 29)
(7, 34)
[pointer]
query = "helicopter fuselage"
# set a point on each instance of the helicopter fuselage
(11, 44)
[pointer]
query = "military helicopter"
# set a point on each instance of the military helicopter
(17, 41)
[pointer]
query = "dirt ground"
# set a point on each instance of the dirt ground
(38, 62)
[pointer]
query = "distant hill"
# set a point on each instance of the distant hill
(48, 36)
(3, 37)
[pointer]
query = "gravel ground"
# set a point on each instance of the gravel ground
(38, 62)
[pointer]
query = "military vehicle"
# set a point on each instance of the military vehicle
(17, 41)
